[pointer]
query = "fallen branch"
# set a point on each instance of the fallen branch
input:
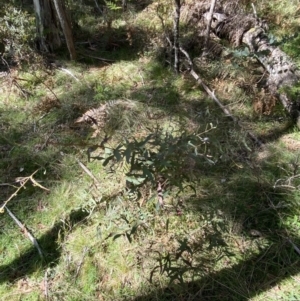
(89, 173)
(85, 251)
(251, 31)
(23, 181)
(23, 79)
(287, 182)
(217, 101)
(25, 231)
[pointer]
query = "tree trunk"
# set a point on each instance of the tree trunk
(66, 26)
(48, 13)
(252, 32)
(209, 20)
(47, 27)
(176, 35)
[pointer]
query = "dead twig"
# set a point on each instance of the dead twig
(88, 172)
(25, 231)
(254, 10)
(47, 87)
(85, 251)
(189, 64)
(294, 246)
(22, 181)
(46, 284)
(287, 182)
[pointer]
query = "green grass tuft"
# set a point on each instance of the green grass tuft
(229, 229)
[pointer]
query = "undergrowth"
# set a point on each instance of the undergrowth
(168, 199)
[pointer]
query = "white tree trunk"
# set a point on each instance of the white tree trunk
(66, 27)
(47, 29)
(210, 14)
(176, 35)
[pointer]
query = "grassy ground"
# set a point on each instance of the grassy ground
(229, 232)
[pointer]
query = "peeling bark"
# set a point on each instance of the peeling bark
(49, 13)
(66, 26)
(251, 31)
(229, 22)
(46, 24)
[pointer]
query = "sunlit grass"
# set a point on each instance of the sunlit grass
(230, 229)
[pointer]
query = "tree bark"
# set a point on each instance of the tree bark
(176, 35)
(251, 31)
(209, 20)
(66, 27)
(47, 28)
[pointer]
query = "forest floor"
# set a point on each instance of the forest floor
(229, 228)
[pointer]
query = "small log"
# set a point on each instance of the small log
(251, 31)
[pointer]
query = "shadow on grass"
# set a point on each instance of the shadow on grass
(30, 261)
(255, 274)
(274, 260)
(240, 282)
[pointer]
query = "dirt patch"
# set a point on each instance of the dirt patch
(290, 142)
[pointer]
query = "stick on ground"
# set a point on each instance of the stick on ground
(26, 232)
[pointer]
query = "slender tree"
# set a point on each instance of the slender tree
(209, 20)
(66, 26)
(176, 35)
(47, 26)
